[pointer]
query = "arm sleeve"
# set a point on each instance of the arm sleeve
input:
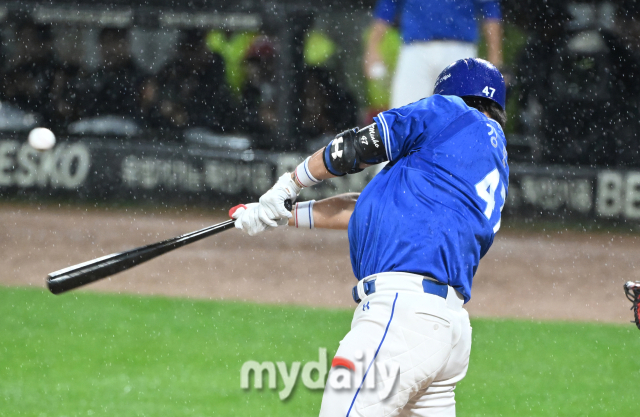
(386, 10)
(489, 9)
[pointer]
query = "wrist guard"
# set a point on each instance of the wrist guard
(303, 214)
(303, 174)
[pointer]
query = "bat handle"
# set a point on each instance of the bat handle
(288, 205)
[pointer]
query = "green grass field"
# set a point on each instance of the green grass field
(84, 354)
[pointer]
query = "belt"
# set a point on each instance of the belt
(429, 286)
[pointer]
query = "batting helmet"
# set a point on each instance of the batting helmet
(472, 77)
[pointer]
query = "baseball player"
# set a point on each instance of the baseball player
(434, 34)
(416, 233)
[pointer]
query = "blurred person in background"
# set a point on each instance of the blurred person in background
(624, 43)
(112, 88)
(259, 107)
(434, 34)
(325, 106)
(189, 91)
(545, 25)
(577, 87)
(68, 90)
(30, 69)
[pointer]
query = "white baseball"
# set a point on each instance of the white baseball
(42, 139)
(378, 71)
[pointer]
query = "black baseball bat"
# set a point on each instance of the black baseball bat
(85, 273)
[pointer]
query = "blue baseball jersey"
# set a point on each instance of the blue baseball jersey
(427, 20)
(435, 208)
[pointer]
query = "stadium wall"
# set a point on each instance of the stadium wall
(127, 171)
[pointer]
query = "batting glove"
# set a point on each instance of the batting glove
(246, 219)
(272, 202)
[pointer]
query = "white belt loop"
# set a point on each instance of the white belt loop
(360, 289)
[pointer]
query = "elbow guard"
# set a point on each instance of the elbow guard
(353, 147)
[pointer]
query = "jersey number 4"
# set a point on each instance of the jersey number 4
(486, 190)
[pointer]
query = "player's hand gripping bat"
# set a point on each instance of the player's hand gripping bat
(85, 273)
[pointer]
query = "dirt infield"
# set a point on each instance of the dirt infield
(558, 275)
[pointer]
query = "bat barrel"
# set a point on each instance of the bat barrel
(78, 275)
(70, 278)
(57, 285)
(64, 283)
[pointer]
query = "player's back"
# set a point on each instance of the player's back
(436, 207)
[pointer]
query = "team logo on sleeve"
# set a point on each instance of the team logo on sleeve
(337, 152)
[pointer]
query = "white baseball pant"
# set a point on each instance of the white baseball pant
(419, 65)
(404, 354)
